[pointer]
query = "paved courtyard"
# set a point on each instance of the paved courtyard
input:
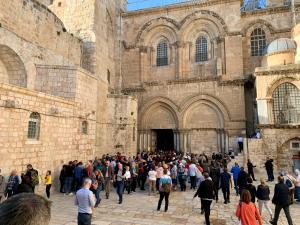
(140, 208)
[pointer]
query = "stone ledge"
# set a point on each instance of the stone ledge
(279, 126)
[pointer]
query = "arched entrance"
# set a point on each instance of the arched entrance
(158, 122)
(289, 155)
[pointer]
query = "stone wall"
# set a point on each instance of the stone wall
(37, 24)
(60, 138)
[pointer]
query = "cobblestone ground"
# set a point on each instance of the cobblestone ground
(140, 208)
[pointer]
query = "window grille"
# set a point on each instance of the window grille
(258, 42)
(286, 104)
(84, 127)
(162, 54)
(34, 126)
(201, 49)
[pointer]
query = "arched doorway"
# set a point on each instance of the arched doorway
(158, 124)
(289, 155)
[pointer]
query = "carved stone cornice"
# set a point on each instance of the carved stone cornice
(266, 11)
(133, 90)
(279, 70)
(278, 126)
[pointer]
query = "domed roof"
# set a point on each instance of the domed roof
(280, 44)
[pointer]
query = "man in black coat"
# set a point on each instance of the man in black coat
(242, 179)
(269, 169)
(206, 193)
(281, 201)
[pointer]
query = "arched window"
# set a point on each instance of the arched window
(84, 127)
(258, 42)
(286, 104)
(34, 126)
(201, 49)
(162, 54)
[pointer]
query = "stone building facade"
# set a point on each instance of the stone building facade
(59, 98)
(190, 66)
(79, 79)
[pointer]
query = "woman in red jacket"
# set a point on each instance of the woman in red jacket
(246, 211)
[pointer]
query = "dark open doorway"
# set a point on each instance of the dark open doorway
(164, 139)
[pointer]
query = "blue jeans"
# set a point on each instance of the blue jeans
(120, 190)
(98, 199)
(236, 186)
(68, 184)
(297, 194)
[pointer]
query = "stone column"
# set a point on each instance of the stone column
(148, 140)
(181, 141)
(226, 142)
(222, 141)
(218, 139)
(175, 140)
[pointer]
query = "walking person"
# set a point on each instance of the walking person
(235, 170)
(206, 194)
(246, 210)
(215, 173)
(165, 184)
(263, 196)
(182, 177)
(48, 183)
(242, 179)
(226, 184)
(108, 174)
(69, 178)
(281, 201)
(152, 180)
(251, 188)
(127, 180)
(250, 169)
(120, 182)
(85, 201)
(133, 176)
(62, 178)
(240, 142)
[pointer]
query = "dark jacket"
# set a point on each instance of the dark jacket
(24, 188)
(110, 172)
(281, 195)
(242, 179)
(269, 164)
(205, 190)
(263, 192)
(252, 189)
(250, 167)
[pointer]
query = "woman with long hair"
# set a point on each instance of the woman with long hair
(246, 210)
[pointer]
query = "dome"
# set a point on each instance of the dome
(280, 45)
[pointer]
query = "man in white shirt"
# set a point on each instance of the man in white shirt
(152, 180)
(85, 201)
(192, 174)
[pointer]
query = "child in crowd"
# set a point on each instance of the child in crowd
(48, 183)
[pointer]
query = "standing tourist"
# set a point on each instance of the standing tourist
(127, 179)
(120, 182)
(78, 174)
(281, 201)
(159, 174)
(165, 184)
(85, 201)
(12, 184)
(2, 186)
(34, 176)
(250, 169)
(269, 169)
(108, 174)
(192, 174)
(25, 186)
(62, 178)
(69, 179)
(97, 178)
(263, 196)
(174, 176)
(182, 177)
(240, 142)
(48, 183)
(133, 176)
(206, 194)
(152, 179)
(235, 170)
(246, 210)
(226, 183)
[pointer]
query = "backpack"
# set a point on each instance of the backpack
(34, 177)
(289, 183)
(166, 188)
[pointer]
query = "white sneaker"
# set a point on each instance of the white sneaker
(71, 194)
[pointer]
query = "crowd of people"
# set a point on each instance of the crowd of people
(161, 173)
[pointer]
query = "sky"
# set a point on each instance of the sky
(141, 4)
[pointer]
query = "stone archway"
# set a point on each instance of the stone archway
(12, 70)
(156, 116)
(287, 155)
